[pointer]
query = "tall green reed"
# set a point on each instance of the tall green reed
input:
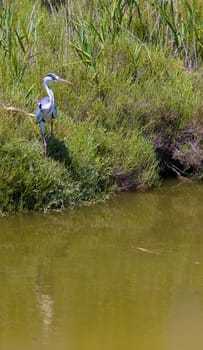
(18, 36)
(177, 26)
(173, 25)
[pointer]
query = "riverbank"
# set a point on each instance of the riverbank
(132, 115)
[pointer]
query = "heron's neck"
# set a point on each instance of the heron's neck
(49, 92)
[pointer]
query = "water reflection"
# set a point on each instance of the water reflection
(44, 297)
(125, 273)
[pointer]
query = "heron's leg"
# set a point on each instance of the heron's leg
(42, 126)
(52, 126)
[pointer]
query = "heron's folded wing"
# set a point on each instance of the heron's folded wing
(38, 113)
(43, 108)
(55, 111)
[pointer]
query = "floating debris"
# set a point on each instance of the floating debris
(147, 251)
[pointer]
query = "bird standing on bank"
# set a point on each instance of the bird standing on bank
(46, 109)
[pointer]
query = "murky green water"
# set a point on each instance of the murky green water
(126, 274)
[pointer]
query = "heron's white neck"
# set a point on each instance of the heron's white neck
(49, 92)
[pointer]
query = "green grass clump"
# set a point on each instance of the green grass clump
(134, 159)
(89, 158)
(97, 158)
(30, 181)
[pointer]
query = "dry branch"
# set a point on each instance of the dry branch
(17, 110)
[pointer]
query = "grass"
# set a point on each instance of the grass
(136, 69)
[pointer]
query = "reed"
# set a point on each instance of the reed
(179, 28)
(174, 25)
(17, 38)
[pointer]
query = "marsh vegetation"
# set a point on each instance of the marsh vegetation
(134, 111)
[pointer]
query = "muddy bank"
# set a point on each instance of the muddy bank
(181, 154)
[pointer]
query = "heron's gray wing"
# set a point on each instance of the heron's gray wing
(38, 113)
(43, 107)
(44, 101)
(55, 111)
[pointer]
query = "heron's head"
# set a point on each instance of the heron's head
(51, 77)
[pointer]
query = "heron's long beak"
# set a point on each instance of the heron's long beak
(65, 81)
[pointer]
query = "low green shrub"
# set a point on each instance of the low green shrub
(28, 180)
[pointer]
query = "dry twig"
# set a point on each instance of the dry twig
(17, 110)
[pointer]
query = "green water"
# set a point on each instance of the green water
(125, 274)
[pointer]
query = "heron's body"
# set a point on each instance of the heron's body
(46, 109)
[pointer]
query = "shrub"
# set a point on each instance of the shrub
(28, 180)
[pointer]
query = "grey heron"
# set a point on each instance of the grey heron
(46, 109)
